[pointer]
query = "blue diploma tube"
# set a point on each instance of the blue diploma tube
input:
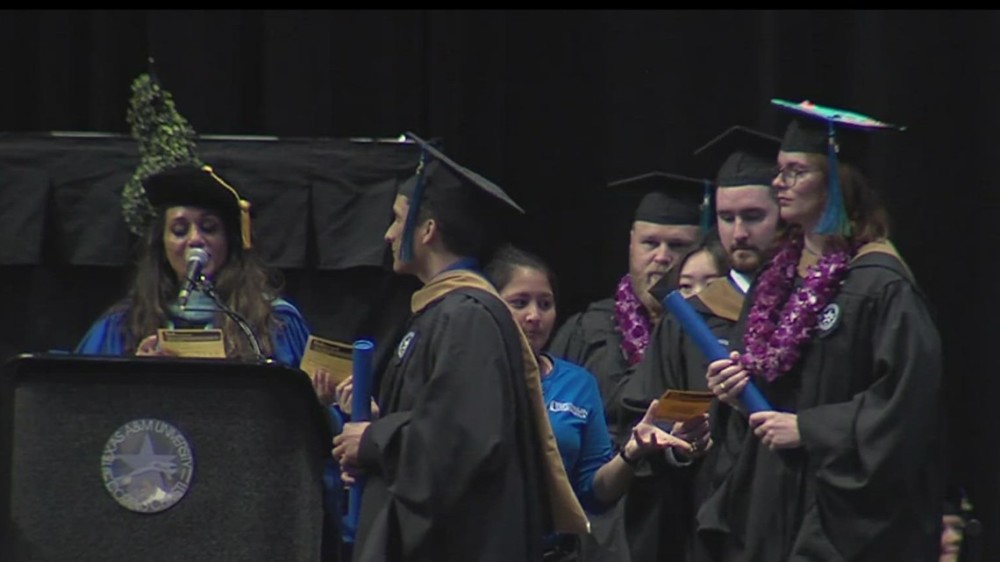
(361, 410)
(361, 399)
(709, 345)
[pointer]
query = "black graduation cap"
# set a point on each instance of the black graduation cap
(196, 186)
(748, 157)
(838, 134)
(956, 502)
(452, 189)
(669, 199)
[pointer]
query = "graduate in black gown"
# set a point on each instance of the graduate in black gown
(611, 335)
(461, 464)
(839, 338)
(748, 227)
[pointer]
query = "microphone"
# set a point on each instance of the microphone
(196, 259)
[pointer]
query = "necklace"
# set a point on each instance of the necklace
(781, 321)
(632, 321)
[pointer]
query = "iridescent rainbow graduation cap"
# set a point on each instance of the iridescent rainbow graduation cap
(812, 137)
(670, 199)
(452, 189)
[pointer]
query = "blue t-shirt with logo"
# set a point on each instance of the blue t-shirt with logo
(576, 414)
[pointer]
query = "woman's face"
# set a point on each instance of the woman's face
(696, 272)
(529, 297)
(800, 187)
(953, 527)
(194, 227)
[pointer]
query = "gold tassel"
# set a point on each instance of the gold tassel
(245, 223)
(243, 204)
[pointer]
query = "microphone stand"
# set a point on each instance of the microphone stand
(206, 287)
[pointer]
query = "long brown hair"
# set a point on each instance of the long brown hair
(244, 284)
(868, 215)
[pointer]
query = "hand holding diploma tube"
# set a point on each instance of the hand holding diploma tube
(751, 397)
(361, 410)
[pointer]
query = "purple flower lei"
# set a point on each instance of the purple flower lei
(632, 321)
(780, 322)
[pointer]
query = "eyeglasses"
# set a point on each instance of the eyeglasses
(789, 176)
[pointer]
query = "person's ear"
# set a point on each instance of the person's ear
(428, 232)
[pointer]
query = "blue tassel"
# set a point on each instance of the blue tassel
(834, 219)
(706, 208)
(406, 246)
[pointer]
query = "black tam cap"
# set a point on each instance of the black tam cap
(452, 190)
(747, 157)
(199, 186)
(956, 502)
(668, 199)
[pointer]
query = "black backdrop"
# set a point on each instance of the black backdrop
(552, 105)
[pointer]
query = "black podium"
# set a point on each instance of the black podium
(159, 459)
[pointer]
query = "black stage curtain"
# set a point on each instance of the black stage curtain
(551, 105)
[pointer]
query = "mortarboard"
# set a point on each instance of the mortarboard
(199, 186)
(747, 157)
(833, 133)
(670, 199)
(452, 190)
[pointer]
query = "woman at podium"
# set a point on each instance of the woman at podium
(197, 271)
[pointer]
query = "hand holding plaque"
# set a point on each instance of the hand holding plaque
(683, 405)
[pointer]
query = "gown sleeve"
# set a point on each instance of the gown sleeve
(649, 378)
(106, 336)
(864, 445)
(289, 338)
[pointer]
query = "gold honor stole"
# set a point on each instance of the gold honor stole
(567, 513)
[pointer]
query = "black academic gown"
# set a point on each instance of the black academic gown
(452, 466)
(867, 482)
(674, 361)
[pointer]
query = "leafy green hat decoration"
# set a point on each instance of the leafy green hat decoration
(165, 140)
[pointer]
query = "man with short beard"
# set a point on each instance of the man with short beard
(748, 225)
(611, 335)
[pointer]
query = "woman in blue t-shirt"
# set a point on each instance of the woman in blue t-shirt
(598, 476)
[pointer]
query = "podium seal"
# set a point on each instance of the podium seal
(147, 465)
